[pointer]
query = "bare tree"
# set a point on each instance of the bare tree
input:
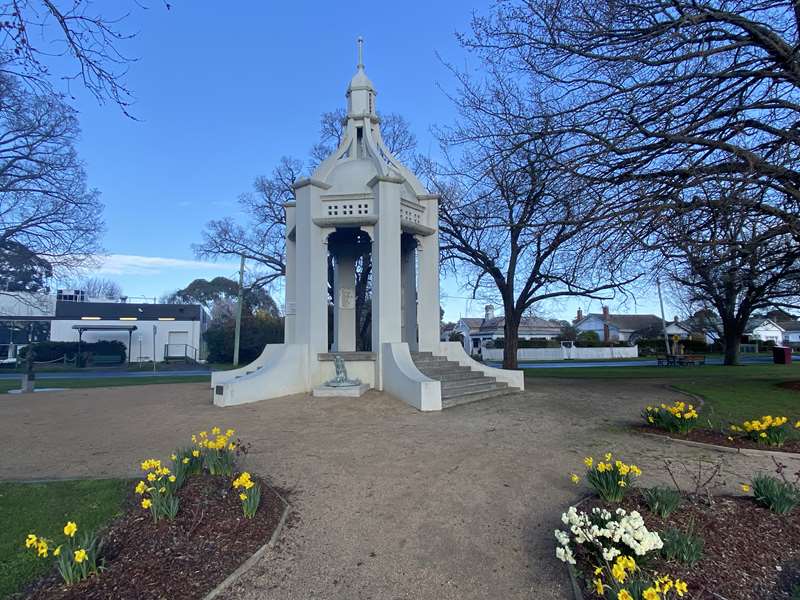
(526, 229)
(661, 95)
(100, 287)
(729, 258)
(77, 37)
(262, 240)
(45, 205)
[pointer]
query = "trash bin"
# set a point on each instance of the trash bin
(781, 355)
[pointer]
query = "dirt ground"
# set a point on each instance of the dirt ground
(390, 502)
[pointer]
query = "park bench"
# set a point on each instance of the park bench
(665, 360)
(691, 359)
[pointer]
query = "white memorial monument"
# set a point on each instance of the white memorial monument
(362, 199)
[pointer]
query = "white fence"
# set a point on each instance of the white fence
(564, 353)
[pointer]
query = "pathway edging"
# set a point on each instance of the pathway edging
(743, 451)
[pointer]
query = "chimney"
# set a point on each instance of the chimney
(579, 315)
(605, 313)
(488, 312)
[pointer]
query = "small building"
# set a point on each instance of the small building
(611, 327)
(166, 331)
(476, 332)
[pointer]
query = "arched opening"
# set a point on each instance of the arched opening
(349, 290)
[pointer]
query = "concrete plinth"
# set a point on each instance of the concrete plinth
(346, 392)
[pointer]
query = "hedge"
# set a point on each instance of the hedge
(47, 351)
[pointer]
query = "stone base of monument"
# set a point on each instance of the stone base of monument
(350, 391)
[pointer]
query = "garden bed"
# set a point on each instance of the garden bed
(717, 438)
(749, 552)
(180, 559)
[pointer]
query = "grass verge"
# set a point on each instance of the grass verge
(731, 394)
(44, 508)
(13, 384)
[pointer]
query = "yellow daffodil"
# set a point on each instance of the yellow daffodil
(623, 594)
(41, 548)
(151, 477)
(70, 528)
(745, 487)
(608, 456)
(57, 551)
(651, 594)
(31, 540)
(215, 431)
(230, 432)
(147, 503)
(618, 572)
(589, 462)
(140, 487)
(621, 483)
(598, 587)
(185, 460)
(173, 456)
(172, 478)
(196, 453)
(80, 555)
(574, 478)
(680, 587)
(242, 496)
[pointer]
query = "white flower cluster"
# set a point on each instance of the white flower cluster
(606, 532)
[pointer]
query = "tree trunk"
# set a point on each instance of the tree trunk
(731, 337)
(511, 333)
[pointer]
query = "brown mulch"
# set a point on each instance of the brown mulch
(790, 385)
(749, 551)
(708, 436)
(182, 559)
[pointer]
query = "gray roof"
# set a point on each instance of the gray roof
(527, 325)
(628, 322)
(790, 325)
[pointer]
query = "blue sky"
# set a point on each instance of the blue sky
(221, 95)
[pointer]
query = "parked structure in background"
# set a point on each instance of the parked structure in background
(475, 333)
(627, 329)
(166, 331)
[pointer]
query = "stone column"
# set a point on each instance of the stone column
(408, 277)
(385, 268)
(428, 315)
(311, 274)
(290, 296)
(344, 300)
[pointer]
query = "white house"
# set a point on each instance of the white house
(791, 333)
(162, 330)
(626, 328)
(476, 332)
(764, 330)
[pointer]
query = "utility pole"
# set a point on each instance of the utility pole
(663, 321)
(238, 315)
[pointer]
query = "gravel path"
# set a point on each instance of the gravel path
(391, 503)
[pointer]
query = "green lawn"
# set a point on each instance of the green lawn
(732, 394)
(11, 384)
(43, 509)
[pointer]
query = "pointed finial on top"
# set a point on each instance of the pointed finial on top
(360, 41)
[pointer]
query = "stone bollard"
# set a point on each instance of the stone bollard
(28, 383)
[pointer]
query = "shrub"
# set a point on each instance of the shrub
(676, 418)
(779, 496)
(250, 494)
(684, 547)
(610, 480)
(76, 558)
(662, 501)
(47, 351)
(766, 430)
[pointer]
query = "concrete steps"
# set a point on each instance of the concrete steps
(460, 385)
